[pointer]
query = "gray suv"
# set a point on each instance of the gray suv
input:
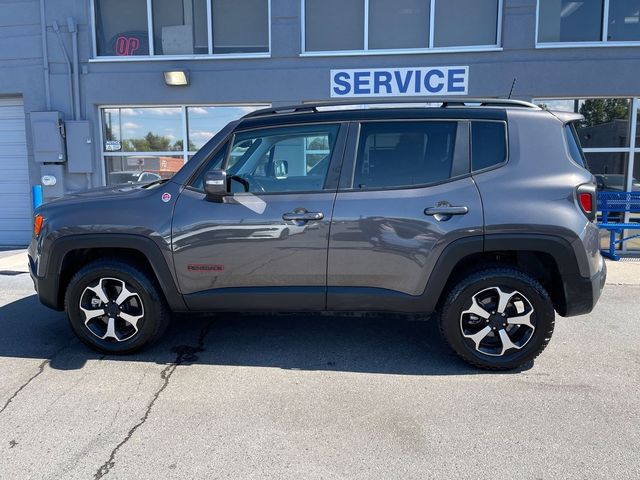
(479, 213)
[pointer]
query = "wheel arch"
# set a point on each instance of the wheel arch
(549, 259)
(68, 254)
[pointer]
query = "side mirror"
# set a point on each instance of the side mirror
(215, 185)
(281, 169)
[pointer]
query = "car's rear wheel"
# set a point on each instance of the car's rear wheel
(115, 308)
(498, 319)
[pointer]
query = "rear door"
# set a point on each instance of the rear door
(405, 193)
(265, 246)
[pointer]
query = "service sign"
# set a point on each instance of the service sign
(399, 82)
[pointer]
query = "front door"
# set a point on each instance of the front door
(405, 194)
(265, 246)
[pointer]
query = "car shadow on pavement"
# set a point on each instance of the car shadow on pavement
(384, 344)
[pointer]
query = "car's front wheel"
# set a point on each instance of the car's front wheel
(498, 319)
(115, 308)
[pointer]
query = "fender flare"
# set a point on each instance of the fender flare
(48, 288)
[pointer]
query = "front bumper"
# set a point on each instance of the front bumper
(46, 288)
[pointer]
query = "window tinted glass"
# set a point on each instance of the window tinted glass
(240, 27)
(569, 21)
(466, 22)
(334, 25)
(398, 24)
(488, 144)
(215, 162)
(574, 145)
(290, 159)
(121, 27)
(404, 153)
(624, 20)
(180, 27)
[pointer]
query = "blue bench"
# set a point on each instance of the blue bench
(620, 203)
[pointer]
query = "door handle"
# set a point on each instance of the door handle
(303, 216)
(447, 210)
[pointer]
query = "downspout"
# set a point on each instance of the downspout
(56, 28)
(45, 56)
(76, 68)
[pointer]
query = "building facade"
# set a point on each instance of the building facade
(101, 92)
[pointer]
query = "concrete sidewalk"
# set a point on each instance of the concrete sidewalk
(624, 272)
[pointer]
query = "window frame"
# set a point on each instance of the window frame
(185, 152)
(353, 147)
(95, 58)
(394, 51)
(335, 162)
(603, 42)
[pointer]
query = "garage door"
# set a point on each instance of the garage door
(15, 198)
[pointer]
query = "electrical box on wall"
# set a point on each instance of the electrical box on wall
(52, 181)
(47, 129)
(79, 147)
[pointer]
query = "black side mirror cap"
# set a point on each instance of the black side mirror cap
(216, 186)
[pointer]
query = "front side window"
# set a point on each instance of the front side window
(278, 160)
(405, 154)
(181, 27)
(466, 22)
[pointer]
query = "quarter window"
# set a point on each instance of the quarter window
(488, 144)
(404, 154)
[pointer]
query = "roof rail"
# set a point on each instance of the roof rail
(444, 103)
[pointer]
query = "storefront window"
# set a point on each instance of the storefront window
(398, 24)
(569, 21)
(624, 21)
(606, 122)
(121, 27)
(143, 144)
(240, 27)
(326, 30)
(339, 25)
(181, 27)
(466, 22)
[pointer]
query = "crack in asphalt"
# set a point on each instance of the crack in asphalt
(185, 354)
(33, 377)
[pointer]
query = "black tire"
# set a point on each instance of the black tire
(150, 302)
(461, 298)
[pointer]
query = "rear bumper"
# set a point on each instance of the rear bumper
(581, 293)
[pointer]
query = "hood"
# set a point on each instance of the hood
(102, 194)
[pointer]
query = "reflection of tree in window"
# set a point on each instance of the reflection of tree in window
(152, 143)
(606, 122)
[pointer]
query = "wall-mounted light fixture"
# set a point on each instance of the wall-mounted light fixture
(176, 78)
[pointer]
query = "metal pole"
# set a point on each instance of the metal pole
(45, 56)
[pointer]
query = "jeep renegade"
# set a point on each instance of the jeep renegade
(479, 213)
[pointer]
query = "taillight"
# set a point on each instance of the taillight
(587, 200)
(37, 224)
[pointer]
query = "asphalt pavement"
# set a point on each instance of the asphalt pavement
(292, 397)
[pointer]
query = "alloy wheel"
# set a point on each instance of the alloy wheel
(498, 321)
(112, 309)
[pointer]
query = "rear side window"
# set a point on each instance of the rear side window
(398, 154)
(574, 145)
(488, 144)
